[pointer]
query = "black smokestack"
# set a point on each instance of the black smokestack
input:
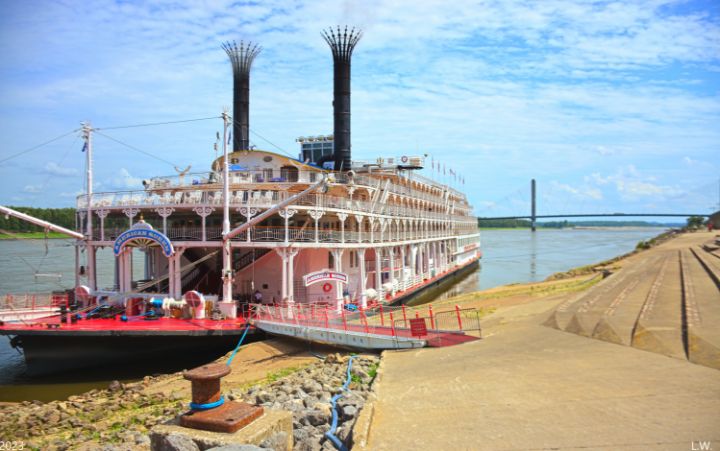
(342, 43)
(241, 57)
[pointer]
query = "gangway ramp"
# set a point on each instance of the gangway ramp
(382, 327)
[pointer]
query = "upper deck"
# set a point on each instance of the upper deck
(261, 179)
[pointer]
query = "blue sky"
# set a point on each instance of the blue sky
(611, 106)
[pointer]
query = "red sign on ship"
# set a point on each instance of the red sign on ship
(418, 328)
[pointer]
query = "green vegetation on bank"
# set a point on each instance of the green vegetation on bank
(64, 217)
(30, 235)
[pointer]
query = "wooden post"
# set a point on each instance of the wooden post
(364, 318)
(404, 315)
(432, 318)
(327, 321)
(457, 311)
(344, 320)
(382, 316)
(392, 324)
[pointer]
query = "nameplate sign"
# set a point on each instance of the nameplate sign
(138, 234)
(324, 276)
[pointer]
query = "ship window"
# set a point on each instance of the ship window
(331, 260)
(313, 177)
(289, 173)
(268, 174)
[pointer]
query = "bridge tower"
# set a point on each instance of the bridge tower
(532, 205)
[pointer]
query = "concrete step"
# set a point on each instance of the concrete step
(584, 314)
(618, 320)
(659, 326)
(708, 260)
(702, 309)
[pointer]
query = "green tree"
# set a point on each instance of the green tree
(695, 222)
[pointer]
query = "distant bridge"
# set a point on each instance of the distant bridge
(597, 215)
(533, 217)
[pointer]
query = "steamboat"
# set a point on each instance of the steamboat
(259, 228)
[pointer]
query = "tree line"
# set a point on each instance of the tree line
(64, 217)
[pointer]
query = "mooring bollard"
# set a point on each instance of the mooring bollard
(208, 410)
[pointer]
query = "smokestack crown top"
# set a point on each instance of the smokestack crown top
(342, 42)
(241, 56)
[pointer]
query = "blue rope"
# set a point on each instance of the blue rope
(331, 433)
(232, 356)
(220, 402)
(210, 405)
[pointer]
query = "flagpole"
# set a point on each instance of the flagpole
(87, 136)
(227, 250)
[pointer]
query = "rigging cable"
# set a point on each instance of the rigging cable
(150, 124)
(136, 149)
(266, 140)
(38, 146)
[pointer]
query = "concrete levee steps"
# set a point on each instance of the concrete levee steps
(703, 307)
(667, 303)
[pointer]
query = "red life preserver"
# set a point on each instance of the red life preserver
(327, 287)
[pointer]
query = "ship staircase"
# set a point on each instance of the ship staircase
(380, 327)
(249, 258)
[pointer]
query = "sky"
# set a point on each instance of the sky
(610, 106)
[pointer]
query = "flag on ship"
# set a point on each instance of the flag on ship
(84, 146)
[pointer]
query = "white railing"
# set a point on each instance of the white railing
(206, 188)
(257, 199)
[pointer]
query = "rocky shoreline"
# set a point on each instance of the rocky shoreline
(120, 417)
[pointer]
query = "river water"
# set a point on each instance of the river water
(509, 256)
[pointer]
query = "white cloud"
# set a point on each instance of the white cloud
(631, 184)
(587, 192)
(552, 87)
(70, 194)
(55, 169)
(32, 189)
(126, 180)
(636, 188)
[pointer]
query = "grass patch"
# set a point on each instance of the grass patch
(538, 289)
(372, 370)
(277, 375)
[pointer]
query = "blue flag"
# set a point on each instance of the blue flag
(84, 146)
(229, 138)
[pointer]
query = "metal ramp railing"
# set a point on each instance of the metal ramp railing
(442, 328)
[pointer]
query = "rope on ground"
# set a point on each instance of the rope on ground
(331, 433)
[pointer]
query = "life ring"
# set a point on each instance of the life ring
(327, 287)
(404, 159)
